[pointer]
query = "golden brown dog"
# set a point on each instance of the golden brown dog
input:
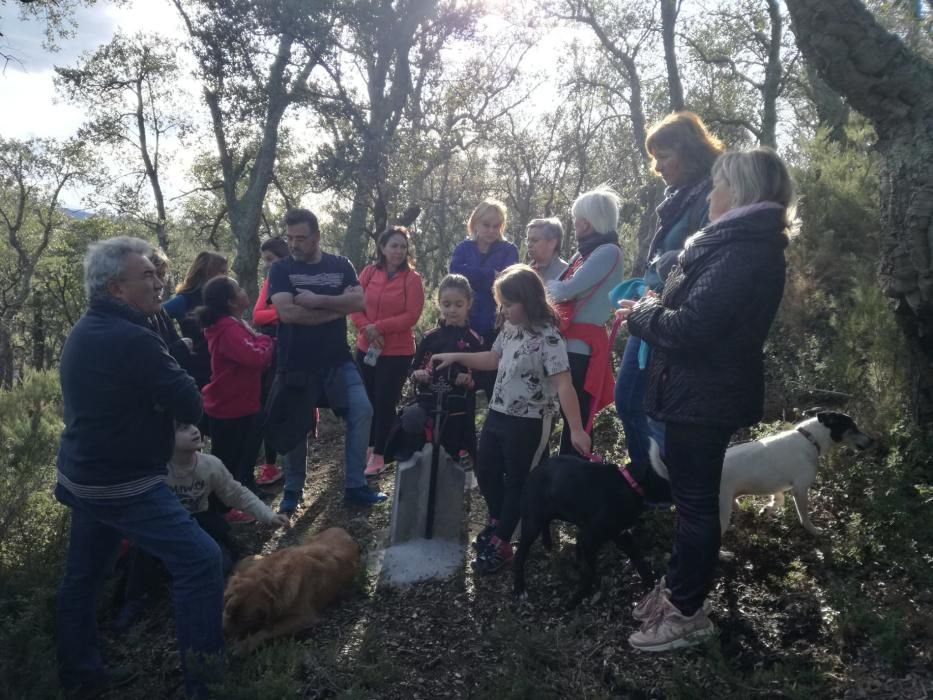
(284, 592)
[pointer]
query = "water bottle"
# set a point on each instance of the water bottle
(372, 355)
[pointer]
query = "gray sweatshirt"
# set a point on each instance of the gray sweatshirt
(603, 267)
(208, 475)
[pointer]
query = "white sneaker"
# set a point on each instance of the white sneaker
(643, 609)
(668, 629)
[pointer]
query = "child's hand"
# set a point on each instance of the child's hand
(422, 376)
(462, 379)
(581, 441)
(281, 520)
(443, 359)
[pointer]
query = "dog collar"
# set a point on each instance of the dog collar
(809, 436)
(636, 487)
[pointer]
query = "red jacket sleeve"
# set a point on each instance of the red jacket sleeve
(264, 313)
(247, 349)
(414, 303)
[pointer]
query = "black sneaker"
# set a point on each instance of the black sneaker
(497, 554)
(482, 539)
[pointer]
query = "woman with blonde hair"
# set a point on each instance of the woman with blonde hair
(682, 152)
(480, 258)
(706, 377)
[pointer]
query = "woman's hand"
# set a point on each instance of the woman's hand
(581, 442)
(463, 378)
(421, 376)
(371, 332)
(625, 309)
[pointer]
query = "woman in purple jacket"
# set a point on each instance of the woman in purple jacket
(480, 259)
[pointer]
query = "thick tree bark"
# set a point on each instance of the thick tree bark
(893, 87)
(771, 88)
(668, 26)
(6, 356)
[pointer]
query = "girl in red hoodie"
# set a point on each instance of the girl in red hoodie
(232, 398)
(386, 343)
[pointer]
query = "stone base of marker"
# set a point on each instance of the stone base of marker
(410, 501)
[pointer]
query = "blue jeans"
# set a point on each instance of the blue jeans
(630, 396)
(358, 414)
(159, 525)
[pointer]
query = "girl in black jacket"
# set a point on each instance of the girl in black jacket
(706, 379)
(453, 334)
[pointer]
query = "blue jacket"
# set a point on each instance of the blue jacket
(122, 390)
(481, 269)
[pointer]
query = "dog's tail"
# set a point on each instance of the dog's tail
(654, 454)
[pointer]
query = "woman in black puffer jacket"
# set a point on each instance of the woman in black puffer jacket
(706, 378)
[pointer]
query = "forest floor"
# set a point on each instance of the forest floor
(798, 617)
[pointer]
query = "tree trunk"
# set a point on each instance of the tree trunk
(893, 87)
(773, 73)
(356, 243)
(668, 26)
(38, 333)
(6, 356)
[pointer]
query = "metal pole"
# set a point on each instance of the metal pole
(441, 388)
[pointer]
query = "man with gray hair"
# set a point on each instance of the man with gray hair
(543, 238)
(122, 395)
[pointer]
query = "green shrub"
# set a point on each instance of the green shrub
(32, 524)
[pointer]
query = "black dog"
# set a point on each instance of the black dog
(599, 499)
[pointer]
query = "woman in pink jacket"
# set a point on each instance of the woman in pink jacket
(386, 344)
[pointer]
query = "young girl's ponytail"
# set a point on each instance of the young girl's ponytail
(217, 295)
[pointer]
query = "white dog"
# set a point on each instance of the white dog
(775, 464)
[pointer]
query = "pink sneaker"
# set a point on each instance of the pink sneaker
(239, 517)
(268, 474)
(375, 466)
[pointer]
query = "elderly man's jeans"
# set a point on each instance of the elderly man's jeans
(358, 414)
(629, 397)
(694, 461)
(158, 524)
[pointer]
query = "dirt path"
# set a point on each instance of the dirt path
(789, 612)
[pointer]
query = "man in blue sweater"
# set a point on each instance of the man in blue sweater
(122, 391)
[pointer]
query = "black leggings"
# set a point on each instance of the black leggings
(384, 384)
(235, 442)
(508, 449)
(694, 456)
(578, 366)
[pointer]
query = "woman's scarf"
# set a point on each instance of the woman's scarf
(594, 240)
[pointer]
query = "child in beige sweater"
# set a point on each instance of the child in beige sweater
(194, 477)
